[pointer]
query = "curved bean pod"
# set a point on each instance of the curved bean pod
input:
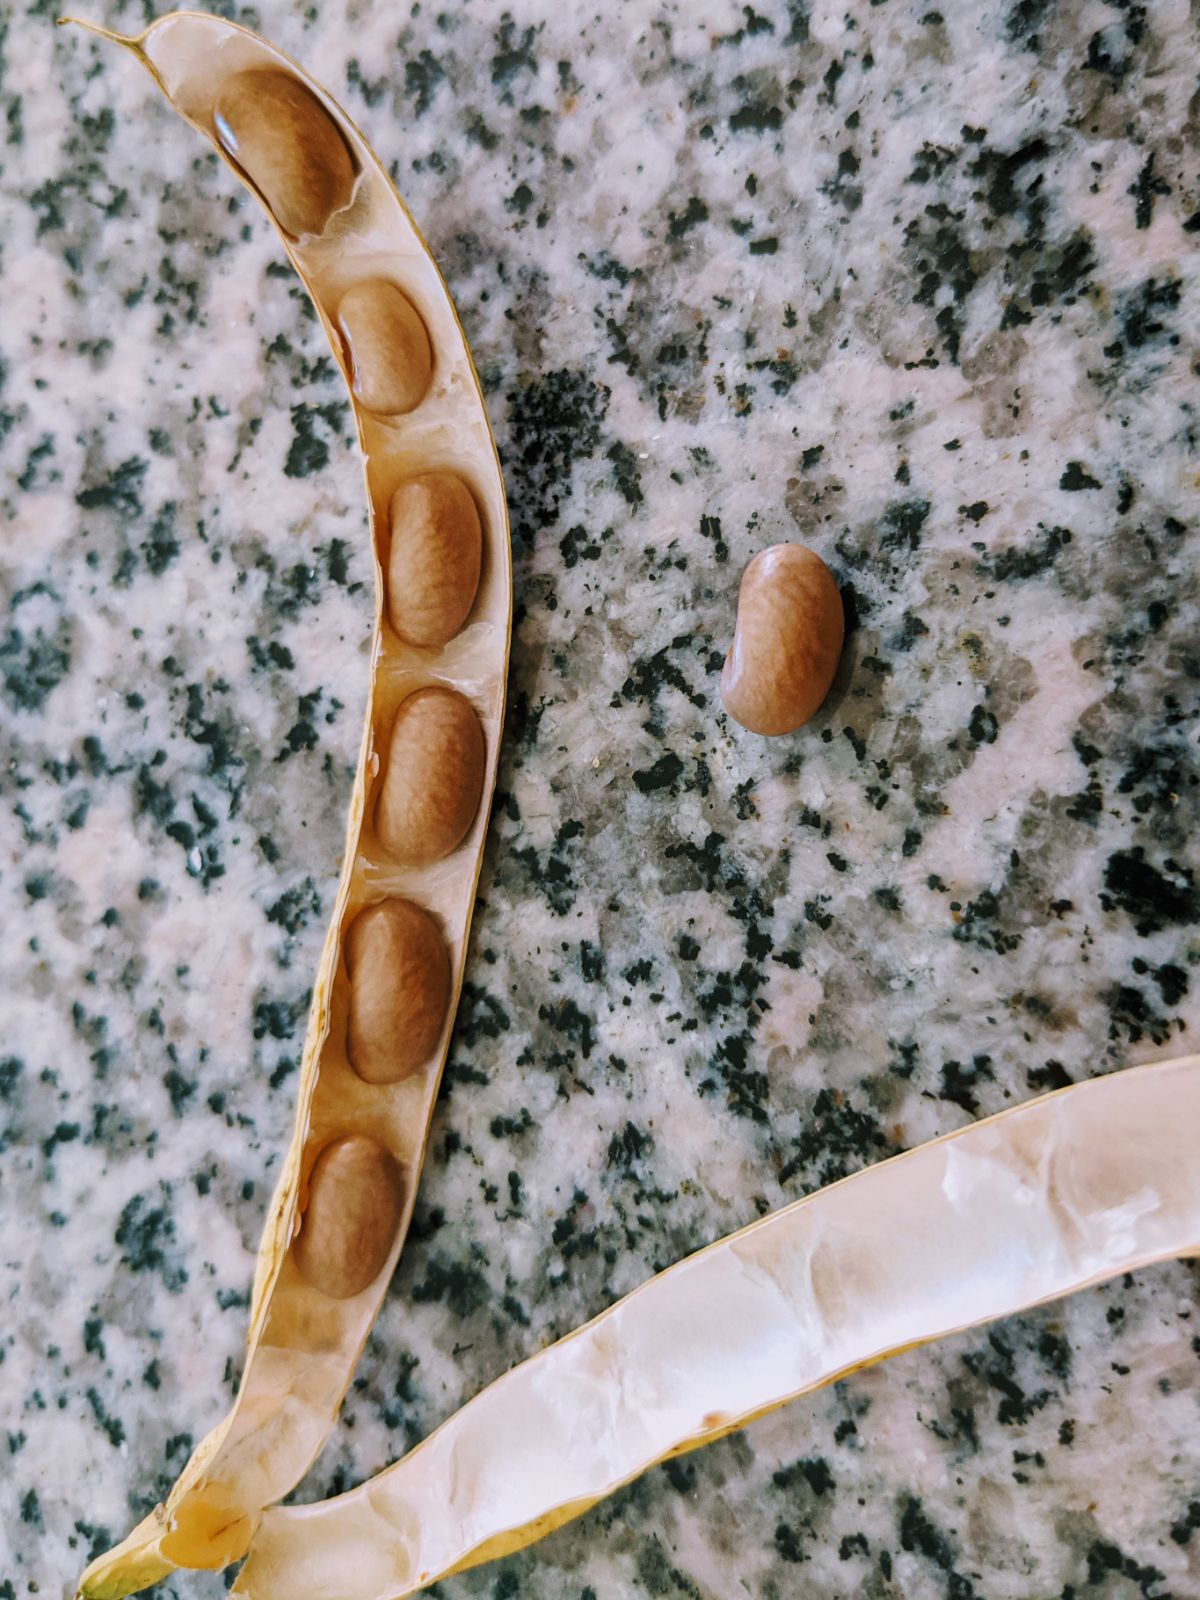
(1037, 1202)
(392, 968)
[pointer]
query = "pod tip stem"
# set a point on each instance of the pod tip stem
(98, 29)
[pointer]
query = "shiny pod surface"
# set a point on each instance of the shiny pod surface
(288, 145)
(392, 966)
(355, 1193)
(432, 777)
(399, 990)
(787, 641)
(1037, 1202)
(391, 364)
(434, 558)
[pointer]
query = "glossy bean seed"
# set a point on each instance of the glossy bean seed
(399, 990)
(355, 1197)
(434, 560)
(786, 643)
(288, 145)
(390, 359)
(433, 777)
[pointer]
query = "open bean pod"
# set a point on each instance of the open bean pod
(392, 966)
(1037, 1202)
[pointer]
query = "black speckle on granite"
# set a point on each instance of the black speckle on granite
(556, 420)
(1153, 897)
(312, 429)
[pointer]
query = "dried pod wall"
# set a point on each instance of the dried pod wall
(1037, 1202)
(392, 967)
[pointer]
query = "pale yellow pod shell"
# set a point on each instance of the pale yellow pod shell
(433, 777)
(355, 1198)
(288, 145)
(787, 641)
(387, 978)
(1036, 1202)
(399, 990)
(434, 560)
(391, 363)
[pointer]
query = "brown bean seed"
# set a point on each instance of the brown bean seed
(433, 779)
(288, 145)
(786, 643)
(399, 990)
(435, 556)
(355, 1197)
(390, 359)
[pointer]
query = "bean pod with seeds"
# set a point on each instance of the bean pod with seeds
(392, 967)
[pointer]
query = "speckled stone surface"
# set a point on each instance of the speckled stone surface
(917, 288)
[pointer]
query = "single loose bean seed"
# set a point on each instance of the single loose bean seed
(435, 557)
(433, 779)
(390, 359)
(786, 643)
(288, 145)
(355, 1196)
(399, 990)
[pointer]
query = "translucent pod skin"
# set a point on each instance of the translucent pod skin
(1024, 1207)
(787, 641)
(392, 966)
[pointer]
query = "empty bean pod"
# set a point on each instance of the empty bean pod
(1040, 1201)
(787, 641)
(393, 961)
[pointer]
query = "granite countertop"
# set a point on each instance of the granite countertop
(917, 288)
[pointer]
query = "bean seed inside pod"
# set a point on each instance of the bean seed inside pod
(786, 643)
(399, 990)
(434, 560)
(355, 1197)
(433, 778)
(390, 359)
(288, 145)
